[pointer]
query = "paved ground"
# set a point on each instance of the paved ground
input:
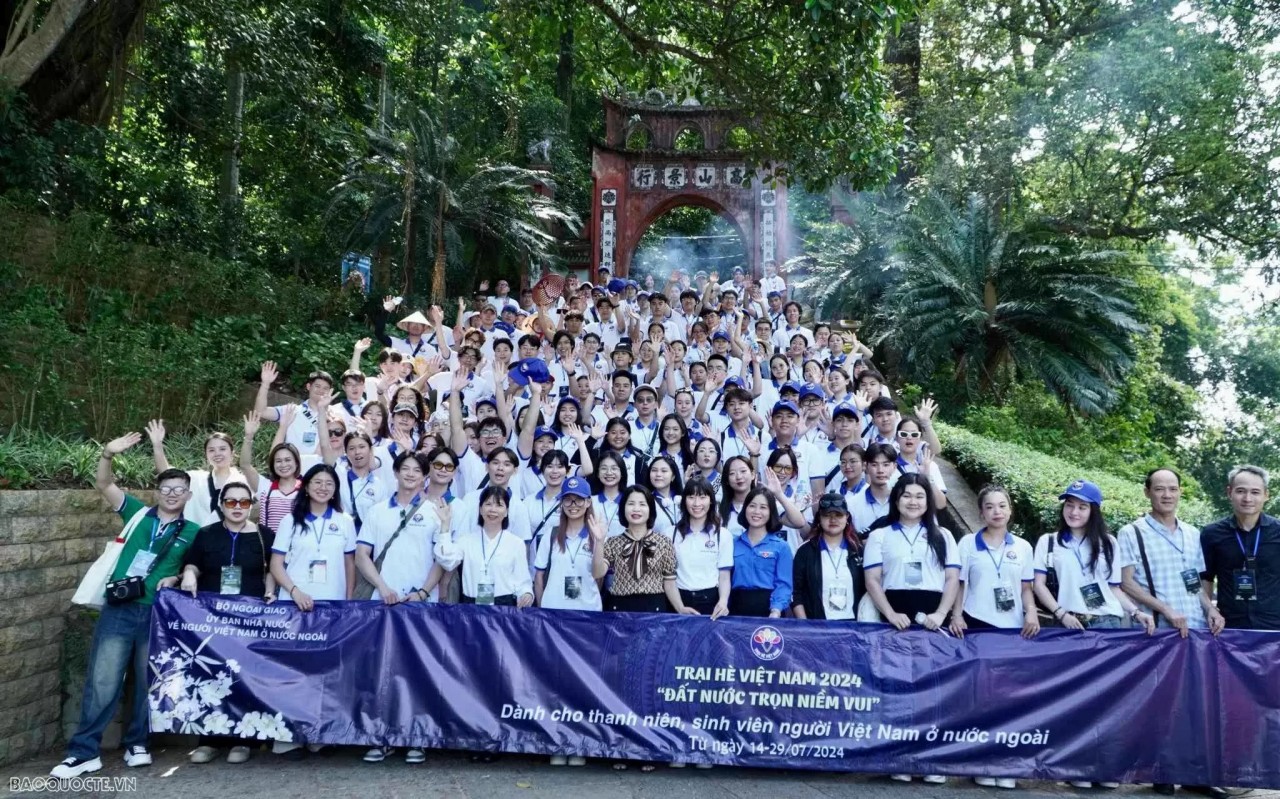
(450, 776)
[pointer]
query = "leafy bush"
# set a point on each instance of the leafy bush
(1035, 480)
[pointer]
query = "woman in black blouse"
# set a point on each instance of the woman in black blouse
(229, 557)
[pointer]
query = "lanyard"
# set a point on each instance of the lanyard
(911, 542)
(317, 532)
(573, 556)
(157, 532)
(998, 562)
(1159, 529)
(604, 509)
(234, 537)
(1075, 550)
(488, 556)
(1257, 539)
(835, 562)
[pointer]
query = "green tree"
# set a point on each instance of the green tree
(416, 187)
(987, 299)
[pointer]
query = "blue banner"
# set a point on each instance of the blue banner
(835, 696)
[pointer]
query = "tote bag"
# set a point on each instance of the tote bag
(92, 590)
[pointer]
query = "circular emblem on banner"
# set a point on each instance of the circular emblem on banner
(766, 643)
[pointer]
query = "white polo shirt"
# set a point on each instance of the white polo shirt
(646, 437)
(866, 508)
(983, 569)
(934, 473)
(731, 444)
(1071, 562)
(574, 561)
(610, 511)
(360, 494)
(894, 549)
(782, 336)
(304, 433)
(804, 456)
(668, 515)
(412, 555)
(541, 514)
(501, 561)
(315, 554)
(701, 556)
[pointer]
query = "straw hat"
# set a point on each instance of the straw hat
(415, 318)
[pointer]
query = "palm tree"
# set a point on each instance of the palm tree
(994, 301)
(416, 185)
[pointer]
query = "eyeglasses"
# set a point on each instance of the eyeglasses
(172, 491)
(780, 469)
(909, 434)
(489, 432)
(444, 467)
(574, 499)
(243, 504)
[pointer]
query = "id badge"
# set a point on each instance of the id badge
(838, 597)
(572, 586)
(309, 438)
(1246, 585)
(564, 392)
(915, 573)
(1191, 579)
(1092, 594)
(141, 564)
(484, 593)
(230, 580)
(318, 572)
(1004, 598)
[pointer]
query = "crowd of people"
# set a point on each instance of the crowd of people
(694, 449)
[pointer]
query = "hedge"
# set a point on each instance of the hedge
(1035, 480)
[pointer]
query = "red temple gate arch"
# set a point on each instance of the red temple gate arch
(645, 167)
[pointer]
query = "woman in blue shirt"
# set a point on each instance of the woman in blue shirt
(761, 560)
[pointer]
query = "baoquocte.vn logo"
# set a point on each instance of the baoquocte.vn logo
(73, 785)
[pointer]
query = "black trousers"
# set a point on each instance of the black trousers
(508, 600)
(703, 601)
(750, 601)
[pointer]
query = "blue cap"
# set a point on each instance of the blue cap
(812, 390)
(575, 487)
(617, 285)
(505, 327)
(545, 431)
(845, 408)
(777, 294)
(790, 385)
(736, 381)
(570, 398)
(1084, 491)
(530, 370)
(510, 306)
(784, 405)
(737, 270)
(633, 284)
(489, 400)
(721, 335)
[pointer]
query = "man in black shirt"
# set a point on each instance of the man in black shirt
(1242, 553)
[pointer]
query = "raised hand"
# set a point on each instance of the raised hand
(572, 430)
(155, 431)
(388, 303)
(117, 445)
(598, 532)
(269, 372)
(926, 409)
(460, 381)
(484, 286)
(444, 512)
(363, 345)
(772, 482)
(862, 400)
(436, 314)
(252, 421)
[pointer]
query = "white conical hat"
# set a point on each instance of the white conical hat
(415, 318)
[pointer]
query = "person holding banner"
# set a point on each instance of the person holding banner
(564, 578)
(997, 572)
(827, 572)
(155, 541)
(1242, 553)
(221, 562)
(643, 562)
(313, 556)
(495, 565)
(762, 562)
(704, 554)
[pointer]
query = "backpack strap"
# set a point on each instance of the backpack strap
(1146, 567)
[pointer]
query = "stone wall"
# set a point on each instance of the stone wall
(48, 539)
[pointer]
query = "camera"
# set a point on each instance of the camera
(126, 590)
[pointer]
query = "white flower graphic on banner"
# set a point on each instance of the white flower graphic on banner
(188, 691)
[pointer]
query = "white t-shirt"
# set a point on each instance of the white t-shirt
(906, 560)
(304, 433)
(411, 556)
(360, 494)
(836, 575)
(465, 514)
(573, 564)
(540, 505)
(701, 556)
(1071, 562)
(668, 514)
(501, 561)
(315, 554)
(866, 509)
(982, 570)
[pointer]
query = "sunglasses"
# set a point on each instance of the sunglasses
(172, 491)
(336, 433)
(243, 504)
(909, 434)
(444, 467)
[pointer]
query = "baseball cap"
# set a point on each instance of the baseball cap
(720, 334)
(544, 431)
(530, 370)
(1084, 491)
(784, 405)
(617, 285)
(575, 487)
(812, 390)
(406, 407)
(830, 503)
(790, 385)
(845, 408)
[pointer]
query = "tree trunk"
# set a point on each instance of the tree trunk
(229, 185)
(438, 271)
(24, 53)
(902, 55)
(83, 78)
(565, 64)
(384, 97)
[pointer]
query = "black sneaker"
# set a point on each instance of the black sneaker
(74, 767)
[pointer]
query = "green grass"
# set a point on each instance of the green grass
(1035, 480)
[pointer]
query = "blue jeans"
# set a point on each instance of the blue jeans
(119, 641)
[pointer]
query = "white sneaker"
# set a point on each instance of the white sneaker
(577, 760)
(74, 767)
(238, 754)
(415, 756)
(1081, 784)
(900, 777)
(1108, 785)
(203, 754)
(136, 756)
(935, 779)
(985, 782)
(1008, 783)
(377, 754)
(559, 760)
